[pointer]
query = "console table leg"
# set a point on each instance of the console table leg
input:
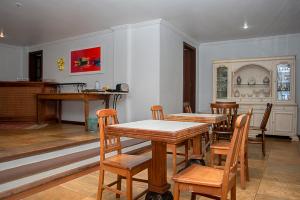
(86, 113)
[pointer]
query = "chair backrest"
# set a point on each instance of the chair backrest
(230, 110)
(266, 116)
(232, 156)
(157, 112)
(187, 107)
(108, 143)
(246, 131)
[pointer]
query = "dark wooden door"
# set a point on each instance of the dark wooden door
(189, 75)
(35, 72)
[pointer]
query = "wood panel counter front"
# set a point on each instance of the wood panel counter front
(160, 132)
(18, 100)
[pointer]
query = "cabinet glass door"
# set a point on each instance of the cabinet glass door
(222, 81)
(283, 82)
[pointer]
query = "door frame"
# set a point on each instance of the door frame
(193, 72)
(30, 64)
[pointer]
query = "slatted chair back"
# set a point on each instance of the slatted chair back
(266, 116)
(230, 167)
(228, 109)
(157, 112)
(246, 131)
(187, 107)
(108, 143)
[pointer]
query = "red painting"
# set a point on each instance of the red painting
(86, 61)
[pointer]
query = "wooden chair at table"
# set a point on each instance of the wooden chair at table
(209, 181)
(124, 165)
(222, 148)
(262, 128)
(225, 128)
(157, 114)
(187, 109)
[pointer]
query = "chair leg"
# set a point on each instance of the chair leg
(242, 172)
(174, 155)
(119, 185)
(193, 197)
(176, 191)
(233, 191)
(186, 152)
(219, 159)
(212, 157)
(129, 187)
(247, 167)
(100, 184)
(263, 142)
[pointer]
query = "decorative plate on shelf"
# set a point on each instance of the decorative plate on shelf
(251, 81)
(266, 80)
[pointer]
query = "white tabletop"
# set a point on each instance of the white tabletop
(159, 125)
(198, 115)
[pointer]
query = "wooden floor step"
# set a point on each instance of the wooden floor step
(131, 146)
(45, 165)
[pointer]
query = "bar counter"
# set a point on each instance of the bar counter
(18, 100)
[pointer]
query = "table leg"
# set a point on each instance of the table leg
(107, 101)
(197, 145)
(59, 111)
(86, 113)
(158, 185)
(39, 110)
(197, 152)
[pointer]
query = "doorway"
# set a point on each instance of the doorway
(189, 75)
(35, 72)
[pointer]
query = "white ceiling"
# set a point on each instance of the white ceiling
(38, 21)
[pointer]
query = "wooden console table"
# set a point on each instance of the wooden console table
(85, 97)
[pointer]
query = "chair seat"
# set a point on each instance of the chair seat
(126, 161)
(220, 145)
(201, 175)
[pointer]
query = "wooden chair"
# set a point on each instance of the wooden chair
(224, 129)
(262, 128)
(157, 114)
(212, 182)
(124, 165)
(222, 148)
(187, 107)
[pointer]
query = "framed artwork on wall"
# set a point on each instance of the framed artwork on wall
(86, 61)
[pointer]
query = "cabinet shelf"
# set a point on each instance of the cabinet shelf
(252, 85)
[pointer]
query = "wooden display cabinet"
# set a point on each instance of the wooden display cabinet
(254, 83)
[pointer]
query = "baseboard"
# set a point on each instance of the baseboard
(72, 122)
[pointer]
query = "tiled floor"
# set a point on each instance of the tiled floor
(275, 177)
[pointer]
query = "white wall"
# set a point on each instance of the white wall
(171, 67)
(11, 63)
(147, 55)
(144, 77)
(73, 110)
(248, 48)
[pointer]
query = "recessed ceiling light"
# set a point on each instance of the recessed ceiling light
(2, 34)
(19, 4)
(245, 26)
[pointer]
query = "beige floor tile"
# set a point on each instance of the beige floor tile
(274, 177)
(279, 189)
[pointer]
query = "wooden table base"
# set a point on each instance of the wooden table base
(158, 185)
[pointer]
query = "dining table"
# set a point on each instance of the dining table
(209, 118)
(160, 132)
